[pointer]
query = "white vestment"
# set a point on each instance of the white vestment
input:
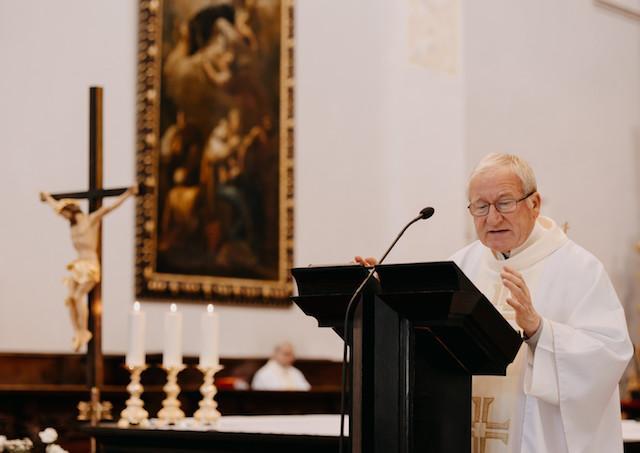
(273, 376)
(560, 395)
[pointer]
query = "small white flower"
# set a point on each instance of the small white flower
(55, 448)
(48, 436)
(16, 445)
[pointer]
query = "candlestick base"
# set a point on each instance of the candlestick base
(208, 413)
(171, 413)
(134, 413)
(94, 410)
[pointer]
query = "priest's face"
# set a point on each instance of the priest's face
(502, 232)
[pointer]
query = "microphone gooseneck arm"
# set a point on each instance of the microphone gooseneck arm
(351, 306)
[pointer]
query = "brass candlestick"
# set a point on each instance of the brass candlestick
(94, 410)
(171, 413)
(134, 413)
(208, 412)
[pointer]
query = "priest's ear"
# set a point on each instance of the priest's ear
(535, 200)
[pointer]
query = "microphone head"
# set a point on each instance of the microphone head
(427, 212)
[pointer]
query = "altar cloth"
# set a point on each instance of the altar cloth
(309, 425)
(263, 433)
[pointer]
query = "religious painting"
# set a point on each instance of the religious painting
(215, 150)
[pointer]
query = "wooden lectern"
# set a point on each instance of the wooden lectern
(419, 334)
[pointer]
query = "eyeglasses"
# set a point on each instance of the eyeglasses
(481, 208)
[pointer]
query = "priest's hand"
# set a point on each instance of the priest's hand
(526, 316)
(367, 262)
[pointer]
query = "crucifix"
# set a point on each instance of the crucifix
(85, 271)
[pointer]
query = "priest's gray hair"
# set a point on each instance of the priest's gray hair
(518, 165)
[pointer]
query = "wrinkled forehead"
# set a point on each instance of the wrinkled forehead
(494, 182)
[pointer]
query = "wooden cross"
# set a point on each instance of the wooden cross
(94, 410)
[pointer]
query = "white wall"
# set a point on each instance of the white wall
(345, 193)
(424, 158)
(378, 138)
(563, 91)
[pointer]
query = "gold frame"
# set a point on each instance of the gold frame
(153, 285)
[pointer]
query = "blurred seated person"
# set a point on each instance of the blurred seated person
(279, 373)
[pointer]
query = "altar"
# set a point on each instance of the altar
(266, 434)
(248, 434)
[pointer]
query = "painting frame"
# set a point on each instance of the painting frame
(154, 283)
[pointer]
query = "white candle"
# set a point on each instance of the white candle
(210, 329)
(172, 354)
(137, 322)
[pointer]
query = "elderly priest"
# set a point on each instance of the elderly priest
(560, 393)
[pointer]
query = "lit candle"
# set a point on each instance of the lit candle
(210, 328)
(172, 354)
(136, 353)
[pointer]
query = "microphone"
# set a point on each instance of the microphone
(424, 214)
(427, 212)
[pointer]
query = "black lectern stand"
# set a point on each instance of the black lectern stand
(419, 334)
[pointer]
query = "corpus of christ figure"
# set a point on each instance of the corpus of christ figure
(85, 269)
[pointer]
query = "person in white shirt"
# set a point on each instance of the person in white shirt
(560, 394)
(279, 373)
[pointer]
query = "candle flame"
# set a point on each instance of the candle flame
(210, 308)
(136, 306)
(174, 308)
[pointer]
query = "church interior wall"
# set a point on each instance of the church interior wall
(563, 91)
(378, 136)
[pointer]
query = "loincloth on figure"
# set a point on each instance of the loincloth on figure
(82, 272)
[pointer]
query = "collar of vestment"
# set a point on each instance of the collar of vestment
(545, 238)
